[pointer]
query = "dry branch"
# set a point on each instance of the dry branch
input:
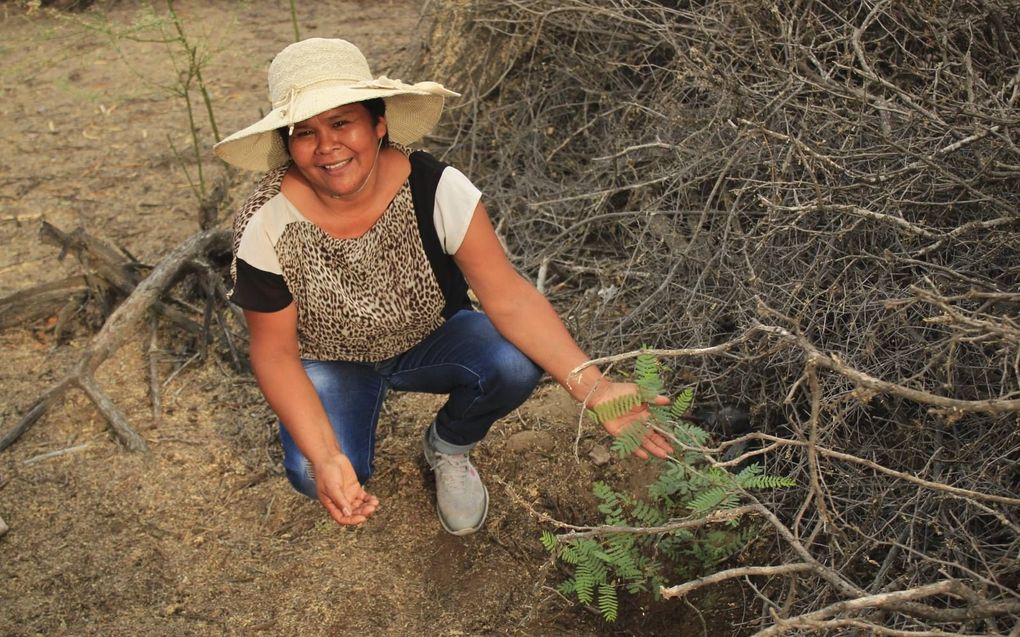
(117, 330)
(812, 209)
(671, 592)
(886, 600)
(833, 363)
(39, 302)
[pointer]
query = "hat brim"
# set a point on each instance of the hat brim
(411, 112)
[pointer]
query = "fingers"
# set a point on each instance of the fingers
(358, 514)
(338, 515)
(348, 504)
(340, 501)
(656, 445)
(653, 443)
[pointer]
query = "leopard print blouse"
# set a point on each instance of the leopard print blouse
(363, 299)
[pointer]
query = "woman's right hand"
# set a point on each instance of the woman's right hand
(341, 493)
(275, 359)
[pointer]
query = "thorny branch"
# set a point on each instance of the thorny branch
(810, 208)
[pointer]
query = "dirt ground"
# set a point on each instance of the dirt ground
(205, 536)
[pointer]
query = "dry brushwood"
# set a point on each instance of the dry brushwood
(40, 302)
(142, 296)
(815, 206)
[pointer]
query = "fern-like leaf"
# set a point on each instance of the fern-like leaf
(613, 408)
(750, 471)
(682, 404)
(690, 434)
(549, 542)
(636, 586)
(608, 604)
(672, 480)
(729, 502)
(628, 440)
(768, 482)
(584, 583)
(708, 500)
(647, 514)
(611, 505)
(623, 556)
(648, 378)
(603, 491)
(570, 554)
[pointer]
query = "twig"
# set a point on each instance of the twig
(294, 21)
(820, 626)
(681, 590)
(154, 394)
(54, 454)
(812, 447)
(667, 353)
(992, 407)
(831, 453)
(857, 211)
(27, 306)
(882, 600)
(715, 517)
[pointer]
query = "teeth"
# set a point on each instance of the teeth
(336, 165)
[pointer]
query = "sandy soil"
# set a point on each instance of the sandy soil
(204, 536)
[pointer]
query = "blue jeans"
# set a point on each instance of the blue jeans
(485, 376)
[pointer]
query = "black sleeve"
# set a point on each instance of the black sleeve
(258, 290)
(426, 171)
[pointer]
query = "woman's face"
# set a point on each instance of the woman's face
(335, 150)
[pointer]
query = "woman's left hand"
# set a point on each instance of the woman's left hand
(654, 443)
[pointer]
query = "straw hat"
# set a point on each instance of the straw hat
(315, 75)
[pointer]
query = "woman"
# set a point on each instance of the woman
(352, 260)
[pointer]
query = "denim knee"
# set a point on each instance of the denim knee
(512, 375)
(302, 478)
(299, 470)
(299, 474)
(504, 381)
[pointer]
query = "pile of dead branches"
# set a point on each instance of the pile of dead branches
(118, 295)
(818, 202)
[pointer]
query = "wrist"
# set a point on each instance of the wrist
(589, 387)
(325, 457)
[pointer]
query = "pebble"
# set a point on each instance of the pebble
(600, 455)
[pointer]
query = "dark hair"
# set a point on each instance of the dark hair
(376, 108)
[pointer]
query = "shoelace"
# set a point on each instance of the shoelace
(457, 468)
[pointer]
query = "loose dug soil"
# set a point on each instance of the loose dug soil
(205, 537)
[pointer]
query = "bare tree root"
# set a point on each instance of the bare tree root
(122, 325)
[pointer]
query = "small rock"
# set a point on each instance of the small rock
(531, 441)
(600, 455)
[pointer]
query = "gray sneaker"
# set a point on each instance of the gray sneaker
(462, 501)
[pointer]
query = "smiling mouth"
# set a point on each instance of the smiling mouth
(339, 164)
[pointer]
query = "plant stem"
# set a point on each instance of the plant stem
(293, 21)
